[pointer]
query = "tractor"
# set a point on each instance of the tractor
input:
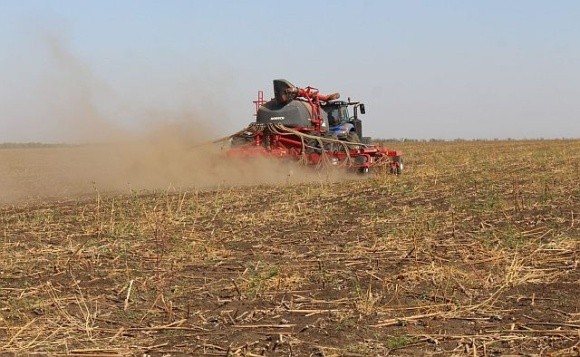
(314, 129)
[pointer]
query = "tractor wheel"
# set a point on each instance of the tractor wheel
(353, 137)
(398, 170)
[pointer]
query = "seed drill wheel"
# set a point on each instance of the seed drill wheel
(397, 165)
(363, 170)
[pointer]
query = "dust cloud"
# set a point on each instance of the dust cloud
(161, 163)
(170, 150)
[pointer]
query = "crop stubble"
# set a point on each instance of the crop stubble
(474, 250)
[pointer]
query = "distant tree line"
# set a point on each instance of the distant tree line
(32, 145)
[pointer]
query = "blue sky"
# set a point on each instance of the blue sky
(425, 69)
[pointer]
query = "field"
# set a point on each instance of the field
(474, 250)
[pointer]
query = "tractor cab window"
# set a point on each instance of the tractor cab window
(344, 115)
(337, 114)
(333, 114)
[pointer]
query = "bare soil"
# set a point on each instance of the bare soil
(473, 251)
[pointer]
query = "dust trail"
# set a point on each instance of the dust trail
(162, 163)
(161, 155)
(72, 93)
